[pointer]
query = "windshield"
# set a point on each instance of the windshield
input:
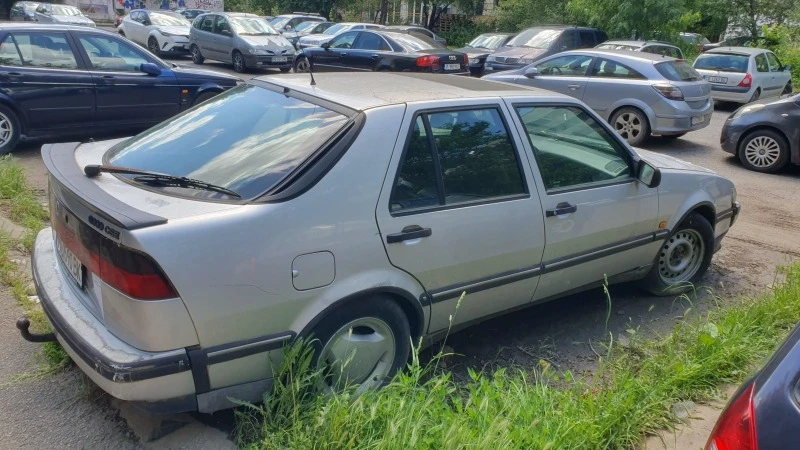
(725, 62)
(168, 20)
(251, 26)
(535, 38)
(215, 143)
(30, 7)
(487, 41)
(412, 43)
(62, 10)
(305, 25)
(336, 29)
(678, 71)
(279, 22)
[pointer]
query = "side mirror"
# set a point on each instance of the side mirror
(288, 28)
(648, 175)
(150, 69)
(226, 32)
(531, 72)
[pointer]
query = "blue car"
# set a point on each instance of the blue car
(59, 81)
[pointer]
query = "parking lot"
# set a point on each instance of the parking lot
(568, 333)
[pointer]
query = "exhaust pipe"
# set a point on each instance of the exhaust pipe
(24, 324)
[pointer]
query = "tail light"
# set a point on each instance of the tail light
(466, 60)
(746, 81)
(736, 427)
(428, 62)
(669, 91)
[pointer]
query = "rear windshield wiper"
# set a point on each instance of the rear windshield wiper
(92, 170)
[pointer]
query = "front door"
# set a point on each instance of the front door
(41, 71)
(459, 211)
(367, 51)
(126, 96)
(780, 77)
(599, 220)
(333, 58)
(567, 74)
(223, 39)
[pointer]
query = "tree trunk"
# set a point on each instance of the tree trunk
(384, 12)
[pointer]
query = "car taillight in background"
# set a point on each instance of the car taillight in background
(669, 91)
(746, 81)
(466, 60)
(736, 427)
(428, 61)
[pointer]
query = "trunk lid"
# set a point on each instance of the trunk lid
(695, 93)
(449, 61)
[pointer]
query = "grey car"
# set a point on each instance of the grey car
(420, 30)
(61, 14)
(245, 40)
(638, 93)
(481, 47)
(655, 47)
(23, 10)
(288, 22)
(306, 28)
(355, 211)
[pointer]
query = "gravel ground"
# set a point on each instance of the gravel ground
(63, 412)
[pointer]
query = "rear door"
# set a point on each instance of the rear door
(610, 81)
(205, 36)
(42, 72)
(780, 77)
(459, 210)
(761, 75)
(566, 74)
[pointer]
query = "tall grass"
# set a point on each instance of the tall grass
(629, 397)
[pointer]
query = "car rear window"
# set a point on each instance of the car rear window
(246, 140)
(677, 71)
(724, 62)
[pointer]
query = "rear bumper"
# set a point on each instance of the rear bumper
(678, 117)
(266, 61)
(731, 93)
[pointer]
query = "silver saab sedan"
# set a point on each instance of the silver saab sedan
(357, 211)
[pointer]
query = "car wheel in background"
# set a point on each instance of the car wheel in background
(631, 124)
(683, 258)
(197, 57)
(764, 151)
(152, 45)
(121, 33)
(203, 97)
(364, 342)
(238, 62)
(285, 69)
(787, 89)
(756, 95)
(302, 65)
(9, 130)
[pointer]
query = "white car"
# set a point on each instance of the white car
(61, 14)
(159, 31)
(744, 74)
(315, 40)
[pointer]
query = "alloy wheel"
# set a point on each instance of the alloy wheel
(762, 152)
(6, 129)
(681, 257)
(628, 125)
(153, 46)
(238, 62)
(302, 66)
(196, 56)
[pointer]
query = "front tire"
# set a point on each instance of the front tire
(683, 258)
(9, 130)
(631, 124)
(764, 151)
(197, 57)
(787, 89)
(152, 45)
(363, 343)
(756, 95)
(239, 65)
(302, 65)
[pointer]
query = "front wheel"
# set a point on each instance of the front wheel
(683, 259)
(302, 65)
(9, 130)
(631, 124)
(285, 69)
(238, 62)
(197, 57)
(152, 45)
(764, 151)
(787, 89)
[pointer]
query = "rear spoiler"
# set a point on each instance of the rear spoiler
(68, 180)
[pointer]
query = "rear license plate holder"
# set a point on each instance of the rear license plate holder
(452, 66)
(71, 262)
(722, 80)
(280, 59)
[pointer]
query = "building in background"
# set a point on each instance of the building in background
(106, 10)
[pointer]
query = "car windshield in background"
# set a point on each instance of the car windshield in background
(678, 71)
(305, 25)
(336, 29)
(279, 22)
(30, 7)
(251, 26)
(168, 20)
(487, 41)
(724, 62)
(535, 38)
(61, 10)
(412, 43)
(632, 48)
(220, 144)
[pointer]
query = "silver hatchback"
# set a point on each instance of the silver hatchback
(638, 93)
(355, 211)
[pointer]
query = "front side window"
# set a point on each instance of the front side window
(207, 24)
(344, 40)
(49, 50)
(566, 66)
(9, 56)
(221, 26)
(610, 69)
(572, 150)
(761, 63)
(457, 157)
(774, 64)
(110, 54)
(371, 41)
(247, 153)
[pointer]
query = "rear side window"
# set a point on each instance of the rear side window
(457, 157)
(247, 153)
(586, 39)
(677, 71)
(370, 41)
(50, 50)
(761, 63)
(725, 62)
(610, 69)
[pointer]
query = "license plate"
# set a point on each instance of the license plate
(278, 59)
(717, 79)
(71, 262)
(452, 66)
(699, 119)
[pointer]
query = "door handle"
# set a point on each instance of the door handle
(574, 87)
(107, 79)
(342, 55)
(561, 208)
(11, 74)
(410, 232)
(375, 56)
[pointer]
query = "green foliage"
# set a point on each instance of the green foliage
(785, 43)
(515, 15)
(648, 19)
(629, 396)
(465, 30)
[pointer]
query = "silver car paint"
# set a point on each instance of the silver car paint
(220, 47)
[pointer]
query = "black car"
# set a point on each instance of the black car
(481, 47)
(60, 80)
(382, 50)
(764, 413)
(765, 135)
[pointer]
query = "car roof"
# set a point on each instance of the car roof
(636, 43)
(37, 26)
(624, 54)
(562, 27)
(361, 91)
(746, 51)
(236, 14)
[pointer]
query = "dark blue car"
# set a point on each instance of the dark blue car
(65, 81)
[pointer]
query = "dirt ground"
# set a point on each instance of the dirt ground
(61, 411)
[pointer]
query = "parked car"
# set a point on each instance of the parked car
(288, 22)
(481, 47)
(742, 41)
(306, 28)
(160, 31)
(316, 40)
(420, 30)
(118, 20)
(396, 51)
(61, 14)
(245, 40)
(191, 14)
(764, 135)
(638, 93)
(290, 224)
(763, 414)
(743, 74)
(655, 47)
(535, 43)
(24, 11)
(696, 39)
(59, 81)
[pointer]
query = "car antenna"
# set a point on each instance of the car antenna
(311, 72)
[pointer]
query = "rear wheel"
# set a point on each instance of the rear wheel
(152, 45)
(756, 95)
(238, 62)
(631, 124)
(302, 65)
(9, 130)
(197, 57)
(764, 151)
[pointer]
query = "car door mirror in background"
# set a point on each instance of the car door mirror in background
(288, 28)
(531, 72)
(326, 45)
(648, 175)
(150, 69)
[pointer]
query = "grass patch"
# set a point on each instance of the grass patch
(628, 397)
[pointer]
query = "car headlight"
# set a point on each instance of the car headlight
(166, 33)
(257, 51)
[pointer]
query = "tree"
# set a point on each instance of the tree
(644, 19)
